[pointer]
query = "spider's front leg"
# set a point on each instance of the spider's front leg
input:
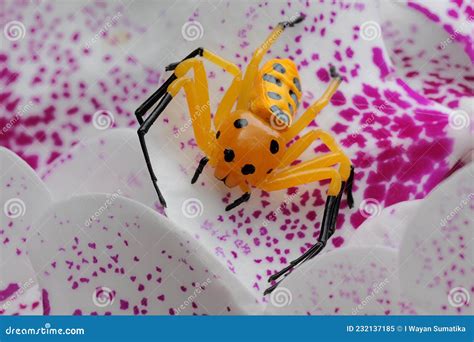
(197, 96)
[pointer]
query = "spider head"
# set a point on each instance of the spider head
(247, 149)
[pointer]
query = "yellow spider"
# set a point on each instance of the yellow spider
(248, 144)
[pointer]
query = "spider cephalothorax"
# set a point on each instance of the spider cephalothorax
(247, 141)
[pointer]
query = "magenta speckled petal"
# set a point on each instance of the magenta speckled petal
(436, 253)
(401, 142)
(403, 114)
(350, 281)
(116, 256)
(23, 197)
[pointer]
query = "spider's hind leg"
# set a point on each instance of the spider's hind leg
(328, 227)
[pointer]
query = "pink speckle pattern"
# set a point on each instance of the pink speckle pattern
(391, 116)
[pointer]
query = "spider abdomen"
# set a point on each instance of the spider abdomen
(277, 92)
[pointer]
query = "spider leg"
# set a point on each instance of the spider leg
(315, 108)
(242, 199)
(345, 169)
(199, 169)
(306, 172)
(142, 131)
(252, 68)
(328, 223)
(196, 93)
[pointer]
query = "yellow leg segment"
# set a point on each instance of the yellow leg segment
(303, 174)
(197, 97)
(299, 146)
(232, 93)
(252, 68)
(310, 114)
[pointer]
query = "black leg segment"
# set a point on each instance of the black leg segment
(164, 99)
(143, 130)
(199, 169)
(242, 199)
(328, 227)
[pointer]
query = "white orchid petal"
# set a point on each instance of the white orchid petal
(23, 197)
